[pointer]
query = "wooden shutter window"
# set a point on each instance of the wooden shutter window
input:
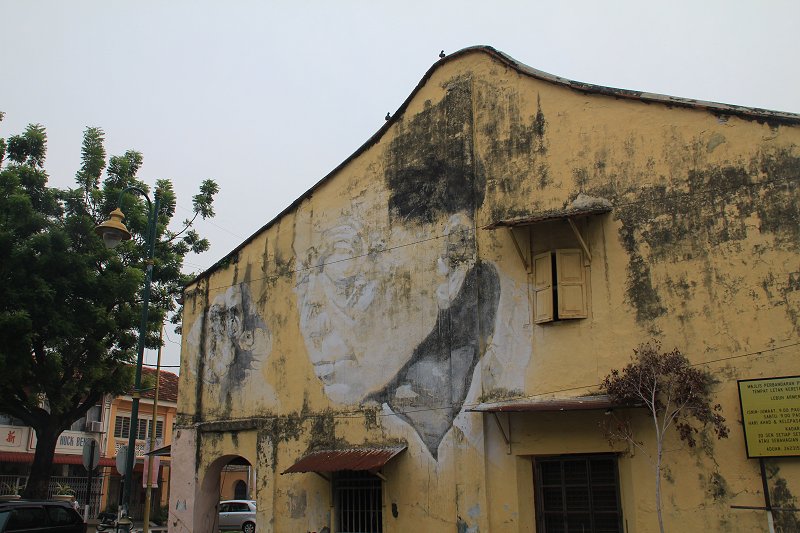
(543, 287)
(571, 284)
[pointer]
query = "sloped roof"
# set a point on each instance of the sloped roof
(753, 113)
(168, 386)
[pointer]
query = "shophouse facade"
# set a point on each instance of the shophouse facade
(108, 423)
(417, 343)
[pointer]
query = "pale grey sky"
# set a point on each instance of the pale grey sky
(268, 97)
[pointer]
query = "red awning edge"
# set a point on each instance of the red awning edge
(371, 459)
(58, 459)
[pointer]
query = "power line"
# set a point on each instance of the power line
(674, 196)
(359, 412)
(209, 221)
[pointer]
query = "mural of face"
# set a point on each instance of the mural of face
(378, 324)
(345, 293)
(236, 339)
(400, 312)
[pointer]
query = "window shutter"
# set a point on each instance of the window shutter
(571, 284)
(543, 288)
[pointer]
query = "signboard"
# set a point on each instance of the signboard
(122, 459)
(70, 442)
(14, 437)
(91, 454)
(771, 416)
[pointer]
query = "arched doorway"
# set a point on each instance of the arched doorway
(218, 484)
(235, 479)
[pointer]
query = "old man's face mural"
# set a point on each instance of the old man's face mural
(234, 340)
(394, 308)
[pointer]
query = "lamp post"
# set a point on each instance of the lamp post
(113, 232)
(148, 491)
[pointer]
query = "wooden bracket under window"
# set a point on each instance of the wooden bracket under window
(585, 248)
(519, 249)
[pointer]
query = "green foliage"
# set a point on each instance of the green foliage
(64, 489)
(12, 488)
(30, 147)
(160, 515)
(69, 307)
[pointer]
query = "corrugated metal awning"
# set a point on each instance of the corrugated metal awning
(58, 459)
(578, 403)
(547, 216)
(371, 459)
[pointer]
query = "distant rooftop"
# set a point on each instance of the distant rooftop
(168, 387)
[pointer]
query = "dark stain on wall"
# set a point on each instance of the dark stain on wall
(201, 360)
(778, 209)
(297, 503)
(714, 209)
(781, 496)
(515, 155)
(430, 168)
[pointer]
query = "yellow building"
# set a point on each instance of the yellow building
(418, 342)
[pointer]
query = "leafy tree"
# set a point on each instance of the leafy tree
(69, 307)
(677, 396)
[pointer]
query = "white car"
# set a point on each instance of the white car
(237, 515)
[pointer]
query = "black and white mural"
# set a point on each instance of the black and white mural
(232, 339)
(394, 306)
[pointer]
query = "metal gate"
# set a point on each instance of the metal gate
(358, 499)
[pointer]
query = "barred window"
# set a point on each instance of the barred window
(122, 427)
(577, 493)
(359, 502)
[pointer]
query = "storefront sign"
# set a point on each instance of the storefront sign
(771, 416)
(13, 437)
(70, 442)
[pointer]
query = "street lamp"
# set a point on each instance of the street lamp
(113, 231)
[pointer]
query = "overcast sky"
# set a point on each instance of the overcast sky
(268, 97)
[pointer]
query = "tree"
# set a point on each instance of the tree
(676, 395)
(69, 307)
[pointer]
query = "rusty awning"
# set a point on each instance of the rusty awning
(371, 459)
(547, 216)
(577, 403)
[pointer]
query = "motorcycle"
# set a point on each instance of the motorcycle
(108, 522)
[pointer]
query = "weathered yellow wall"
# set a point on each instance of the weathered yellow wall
(699, 252)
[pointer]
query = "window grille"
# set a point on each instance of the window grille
(122, 427)
(359, 502)
(577, 493)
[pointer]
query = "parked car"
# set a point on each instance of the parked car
(44, 516)
(237, 515)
